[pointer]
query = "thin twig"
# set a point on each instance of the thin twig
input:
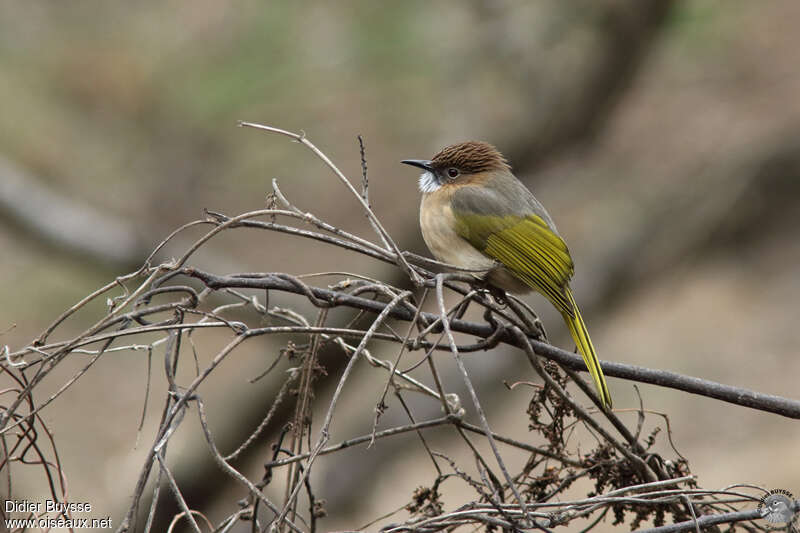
(401, 260)
(232, 471)
(468, 383)
(324, 431)
(366, 438)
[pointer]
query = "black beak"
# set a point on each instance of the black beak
(420, 163)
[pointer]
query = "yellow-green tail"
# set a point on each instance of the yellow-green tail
(581, 336)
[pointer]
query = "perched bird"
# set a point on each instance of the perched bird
(475, 214)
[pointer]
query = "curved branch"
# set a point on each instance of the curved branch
(710, 520)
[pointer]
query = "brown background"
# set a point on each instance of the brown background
(662, 137)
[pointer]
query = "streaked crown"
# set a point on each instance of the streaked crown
(470, 157)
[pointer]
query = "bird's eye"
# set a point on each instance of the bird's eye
(453, 172)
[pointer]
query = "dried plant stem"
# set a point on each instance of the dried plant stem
(324, 431)
(468, 383)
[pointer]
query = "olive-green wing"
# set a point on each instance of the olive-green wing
(506, 223)
(526, 246)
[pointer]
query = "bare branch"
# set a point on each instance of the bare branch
(630, 478)
(736, 395)
(384, 235)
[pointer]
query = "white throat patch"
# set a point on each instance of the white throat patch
(428, 183)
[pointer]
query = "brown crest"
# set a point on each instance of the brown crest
(470, 157)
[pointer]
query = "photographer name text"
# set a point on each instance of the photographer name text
(47, 506)
(37, 512)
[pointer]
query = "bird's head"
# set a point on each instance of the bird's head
(458, 165)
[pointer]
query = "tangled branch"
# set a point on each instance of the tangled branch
(627, 476)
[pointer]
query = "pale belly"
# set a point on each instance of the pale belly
(436, 221)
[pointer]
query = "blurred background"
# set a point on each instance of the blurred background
(663, 137)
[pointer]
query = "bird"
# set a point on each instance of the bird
(779, 509)
(476, 215)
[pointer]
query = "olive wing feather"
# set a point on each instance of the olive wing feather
(518, 237)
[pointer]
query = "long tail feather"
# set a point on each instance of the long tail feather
(581, 337)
